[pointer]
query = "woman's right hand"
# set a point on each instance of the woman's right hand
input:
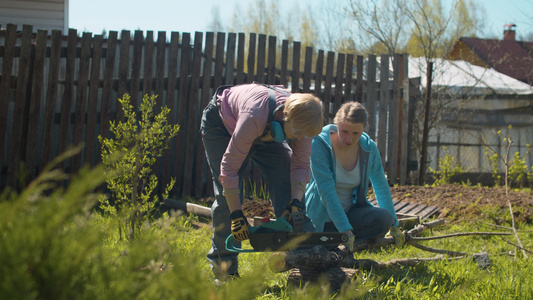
(351, 240)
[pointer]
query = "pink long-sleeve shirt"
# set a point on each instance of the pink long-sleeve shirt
(244, 110)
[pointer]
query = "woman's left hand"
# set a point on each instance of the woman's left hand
(397, 235)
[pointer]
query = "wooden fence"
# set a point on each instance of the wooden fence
(58, 91)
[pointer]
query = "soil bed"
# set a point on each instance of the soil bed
(455, 201)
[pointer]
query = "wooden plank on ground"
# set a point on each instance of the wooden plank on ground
(428, 212)
(418, 209)
(407, 208)
(400, 205)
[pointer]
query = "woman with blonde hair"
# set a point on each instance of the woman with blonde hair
(274, 129)
(344, 161)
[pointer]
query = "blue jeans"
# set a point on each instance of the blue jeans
(273, 161)
(367, 222)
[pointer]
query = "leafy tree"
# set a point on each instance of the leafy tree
(418, 27)
(128, 159)
(378, 24)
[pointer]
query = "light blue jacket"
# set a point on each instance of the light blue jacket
(321, 195)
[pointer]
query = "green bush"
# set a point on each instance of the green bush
(517, 171)
(515, 168)
(48, 241)
(447, 170)
(128, 158)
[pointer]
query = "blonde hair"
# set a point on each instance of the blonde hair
(304, 113)
(353, 112)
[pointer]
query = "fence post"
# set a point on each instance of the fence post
(371, 96)
(384, 99)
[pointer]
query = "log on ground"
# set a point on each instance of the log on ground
(335, 277)
(188, 207)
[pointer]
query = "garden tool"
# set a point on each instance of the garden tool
(279, 235)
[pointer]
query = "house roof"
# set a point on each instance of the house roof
(462, 77)
(508, 56)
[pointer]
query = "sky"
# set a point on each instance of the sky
(195, 15)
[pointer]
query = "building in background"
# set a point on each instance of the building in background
(507, 56)
(41, 14)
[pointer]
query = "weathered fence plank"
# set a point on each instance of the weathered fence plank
(51, 99)
(123, 70)
(160, 62)
(167, 160)
(192, 116)
(148, 63)
(359, 80)
(80, 107)
(251, 57)
(91, 142)
(182, 113)
(296, 67)
(229, 73)
(371, 96)
(261, 56)
(327, 87)
(107, 92)
(219, 60)
(271, 69)
(136, 60)
(318, 73)
(5, 86)
(337, 101)
(19, 134)
(284, 62)
(35, 103)
(383, 107)
(308, 63)
(348, 78)
(240, 59)
(202, 170)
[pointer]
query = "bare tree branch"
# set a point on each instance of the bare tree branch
(457, 235)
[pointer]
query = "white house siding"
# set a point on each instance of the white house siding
(468, 146)
(42, 14)
(485, 102)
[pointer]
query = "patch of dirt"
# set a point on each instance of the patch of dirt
(469, 203)
(454, 201)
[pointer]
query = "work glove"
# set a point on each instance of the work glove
(295, 214)
(349, 244)
(397, 235)
(239, 226)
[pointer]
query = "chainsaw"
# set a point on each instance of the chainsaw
(279, 235)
